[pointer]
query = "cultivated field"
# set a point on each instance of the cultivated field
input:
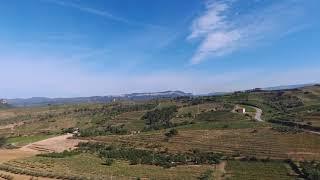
(183, 138)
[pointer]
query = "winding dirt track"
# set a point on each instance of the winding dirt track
(258, 114)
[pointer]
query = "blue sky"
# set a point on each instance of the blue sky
(65, 48)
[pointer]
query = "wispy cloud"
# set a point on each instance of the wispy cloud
(101, 13)
(93, 11)
(222, 28)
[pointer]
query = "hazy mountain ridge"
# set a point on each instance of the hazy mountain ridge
(40, 101)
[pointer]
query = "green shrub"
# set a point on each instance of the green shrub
(311, 170)
(3, 141)
(207, 175)
(171, 133)
(109, 161)
(60, 155)
(103, 131)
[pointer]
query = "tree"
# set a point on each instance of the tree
(159, 118)
(171, 133)
(207, 175)
(3, 141)
(109, 162)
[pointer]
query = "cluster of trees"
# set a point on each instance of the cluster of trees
(136, 107)
(141, 156)
(218, 116)
(286, 129)
(311, 170)
(114, 109)
(103, 131)
(208, 174)
(280, 101)
(284, 102)
(3, 141)
(159, 118)
(60, 155)
(68, 130)
(294, 124)
(101, 114)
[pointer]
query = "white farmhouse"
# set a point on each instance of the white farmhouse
(241, 110)
(3, 101)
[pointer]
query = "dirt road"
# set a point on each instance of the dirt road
(258, 114)
(220, 170)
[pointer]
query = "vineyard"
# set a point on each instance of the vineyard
(241, 170)
(243, 142)
(182, 138)
(87, 166)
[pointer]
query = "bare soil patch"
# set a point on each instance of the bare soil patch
(55, 144)
(11, 154)
(220, 170)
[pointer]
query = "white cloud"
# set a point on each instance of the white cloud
(213, 19)
(218, 43)
(222, 29)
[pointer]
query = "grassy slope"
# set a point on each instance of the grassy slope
(241, 170)
(24, 140)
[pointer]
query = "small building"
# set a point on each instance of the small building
(76, 132)
(3, 101)
(241, 110)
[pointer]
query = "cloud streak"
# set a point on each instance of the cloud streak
(222, 29)
(101, 13)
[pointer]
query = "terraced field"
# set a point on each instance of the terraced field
(313, 118)
(182, 127)
(241, 170)
(262, 143)
(86, 165)
(132, 120)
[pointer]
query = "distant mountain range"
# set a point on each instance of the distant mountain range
(287, 87)
(40, 101)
